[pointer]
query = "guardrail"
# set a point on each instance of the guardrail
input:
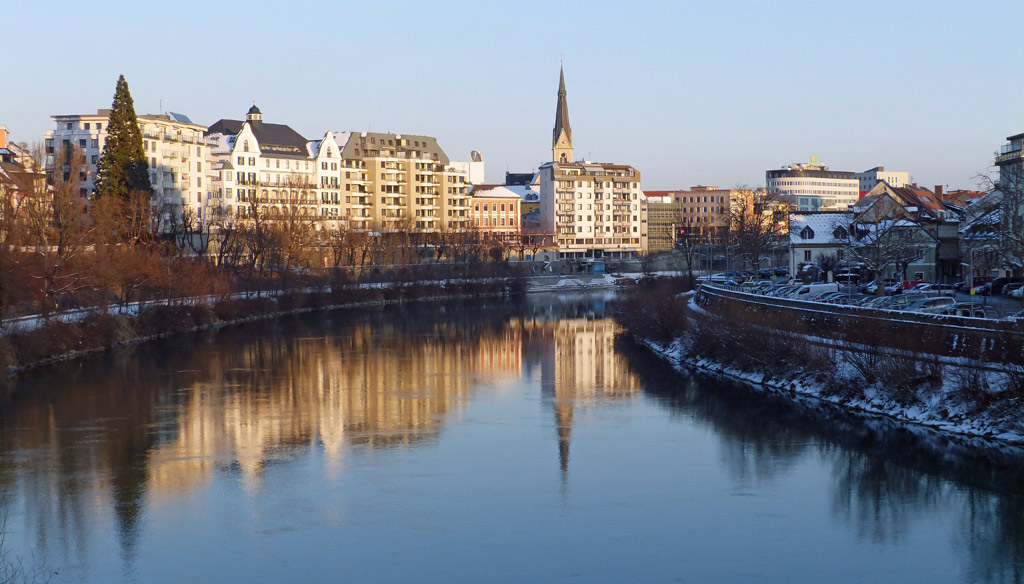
(950, 336)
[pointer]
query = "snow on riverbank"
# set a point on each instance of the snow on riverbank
(944, 409)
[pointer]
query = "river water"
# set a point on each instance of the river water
(493, 442)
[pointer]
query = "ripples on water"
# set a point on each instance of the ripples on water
(493, 442)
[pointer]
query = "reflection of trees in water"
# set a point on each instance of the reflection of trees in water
(883, 498)
(993, 533)
(886, 475)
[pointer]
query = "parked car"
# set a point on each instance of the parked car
(894, 288)
(939, 289)
(825, 296)
(936, 305)
(998, 284)
(1009, 289)
(1018, 293)
(965, 309)
(982, 289)
(807, 291)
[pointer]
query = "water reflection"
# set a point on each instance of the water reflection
(886, 477)
(101, 444)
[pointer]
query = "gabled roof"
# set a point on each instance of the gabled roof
(493, 191)
(822, 226)
(912, 199)
(278, 139)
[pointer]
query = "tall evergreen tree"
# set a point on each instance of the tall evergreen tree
(122, 168)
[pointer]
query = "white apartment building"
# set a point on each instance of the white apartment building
(813, 187)
(175, 147)
(261, 167)
(594, 210)
(869, 178)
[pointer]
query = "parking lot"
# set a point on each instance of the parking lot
(948, 302)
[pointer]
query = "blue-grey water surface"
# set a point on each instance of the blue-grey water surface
(490, 442)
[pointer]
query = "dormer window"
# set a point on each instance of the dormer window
(839, 233)
(807, 233)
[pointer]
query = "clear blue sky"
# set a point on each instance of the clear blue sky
(688, 92)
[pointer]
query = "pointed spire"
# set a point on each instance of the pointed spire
(562, 148)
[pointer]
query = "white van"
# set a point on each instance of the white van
(808, 290)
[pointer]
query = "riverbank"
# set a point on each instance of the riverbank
(97, 331)
(961, 396)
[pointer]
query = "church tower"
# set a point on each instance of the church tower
(561, 140)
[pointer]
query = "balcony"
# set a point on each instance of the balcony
(1010, 156)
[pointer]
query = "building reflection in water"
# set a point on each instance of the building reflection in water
(579, 367)
(368, 387)
(156, 423)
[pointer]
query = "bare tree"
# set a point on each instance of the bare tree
(755, 223)
(827, 262)
(1007, 236)
(879, 239)
(57, 229)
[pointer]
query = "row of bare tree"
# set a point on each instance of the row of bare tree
(61, 249)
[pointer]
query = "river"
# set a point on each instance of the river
(489, 442)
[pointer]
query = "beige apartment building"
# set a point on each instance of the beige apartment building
(496, 211)
(404, 181)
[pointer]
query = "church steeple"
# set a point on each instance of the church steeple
(561, 140)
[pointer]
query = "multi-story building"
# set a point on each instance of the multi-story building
(176, 149)
(1010, 160)
(405, 181)
(262, 168)
(496, 211)
(813, 187)
(19, 175)
(594, 210)
(701, 213)
(662, 221)
(871, 177)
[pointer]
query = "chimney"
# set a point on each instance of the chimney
(938, 192)
(3, 136)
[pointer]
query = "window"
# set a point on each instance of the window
(807, 255)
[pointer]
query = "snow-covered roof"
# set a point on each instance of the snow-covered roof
(525, 192)
(815, 228)
(314, 147)
(493, 191)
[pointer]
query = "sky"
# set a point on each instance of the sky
(689, 93)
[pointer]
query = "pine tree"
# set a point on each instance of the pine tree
(122, 167)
